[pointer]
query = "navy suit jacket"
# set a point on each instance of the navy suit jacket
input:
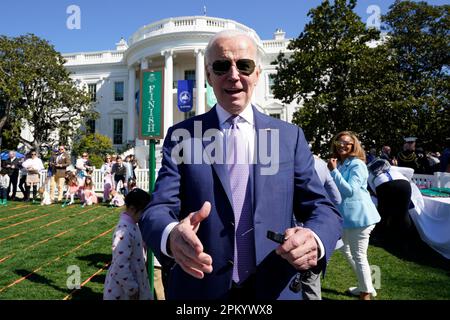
(293, 194)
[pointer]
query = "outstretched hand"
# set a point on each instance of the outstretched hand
(187, 248)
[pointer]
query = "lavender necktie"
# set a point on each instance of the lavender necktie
(238, 169)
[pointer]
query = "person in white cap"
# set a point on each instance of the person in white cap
(407, 157)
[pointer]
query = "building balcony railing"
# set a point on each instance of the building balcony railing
(187, 24)
(93, 58)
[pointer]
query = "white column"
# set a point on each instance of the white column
(131, 124)
(168, 90)
(200, 80)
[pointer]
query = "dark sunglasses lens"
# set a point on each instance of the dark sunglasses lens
(221, 67)
(246, 66)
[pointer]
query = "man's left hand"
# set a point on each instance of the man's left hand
(300, 248)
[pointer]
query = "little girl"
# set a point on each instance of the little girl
(117, 200)
(72, 188)
(90, 197)
(107, 178)
(127, 277)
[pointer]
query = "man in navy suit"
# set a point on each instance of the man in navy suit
(195, 221)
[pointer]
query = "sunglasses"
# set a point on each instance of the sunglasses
(33, 154)
(342, 143)
(244, 66)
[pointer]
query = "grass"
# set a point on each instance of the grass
(39, 243)
(419, 274)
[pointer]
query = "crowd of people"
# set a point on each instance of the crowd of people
(65, 180)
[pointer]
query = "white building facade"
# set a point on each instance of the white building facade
(176, 46)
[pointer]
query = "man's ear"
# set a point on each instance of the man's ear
(208, 76)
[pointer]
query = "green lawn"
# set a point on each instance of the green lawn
(39, 243)
(424, 275)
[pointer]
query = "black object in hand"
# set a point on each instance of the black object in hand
(274, 236)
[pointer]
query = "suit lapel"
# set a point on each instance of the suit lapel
(212, 122)
(261, 124)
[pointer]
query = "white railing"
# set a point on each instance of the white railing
(93, 57)
(437, 180)
(184, 24)
(142, 179)
(423, 181)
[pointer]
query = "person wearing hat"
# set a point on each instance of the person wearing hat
(407, 157)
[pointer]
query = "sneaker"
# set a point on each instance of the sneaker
(354, 291)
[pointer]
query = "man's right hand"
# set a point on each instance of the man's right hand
(187, 248)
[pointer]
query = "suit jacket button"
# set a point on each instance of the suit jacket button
(230, 262)
(232, 224)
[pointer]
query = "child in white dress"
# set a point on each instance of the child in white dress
(117, 199)
(45, 197)
(127, 277)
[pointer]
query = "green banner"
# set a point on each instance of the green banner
(210, 96)
(151, 124)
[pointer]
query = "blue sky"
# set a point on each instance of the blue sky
(104, 22)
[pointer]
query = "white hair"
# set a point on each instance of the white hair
(231, 33)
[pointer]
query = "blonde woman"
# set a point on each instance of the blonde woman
(349, 171)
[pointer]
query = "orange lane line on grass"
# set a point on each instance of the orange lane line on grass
(6, 258)
(54, 260)
(17, 215)
(51, 212)
(52, 237)
(18, 207)
(25, 221)
(88, 280)
(43, 226)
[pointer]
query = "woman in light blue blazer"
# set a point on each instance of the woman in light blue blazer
(349, 171)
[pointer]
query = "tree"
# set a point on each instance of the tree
(418, 38)
(11, 72)
(40, 92)
(96, 145)
(327, 70)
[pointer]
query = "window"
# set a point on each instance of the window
(275, 115)
(118, 131)
(189, 75)
(92, 90)
(90, 126)
(271, 79)
(118, 91)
